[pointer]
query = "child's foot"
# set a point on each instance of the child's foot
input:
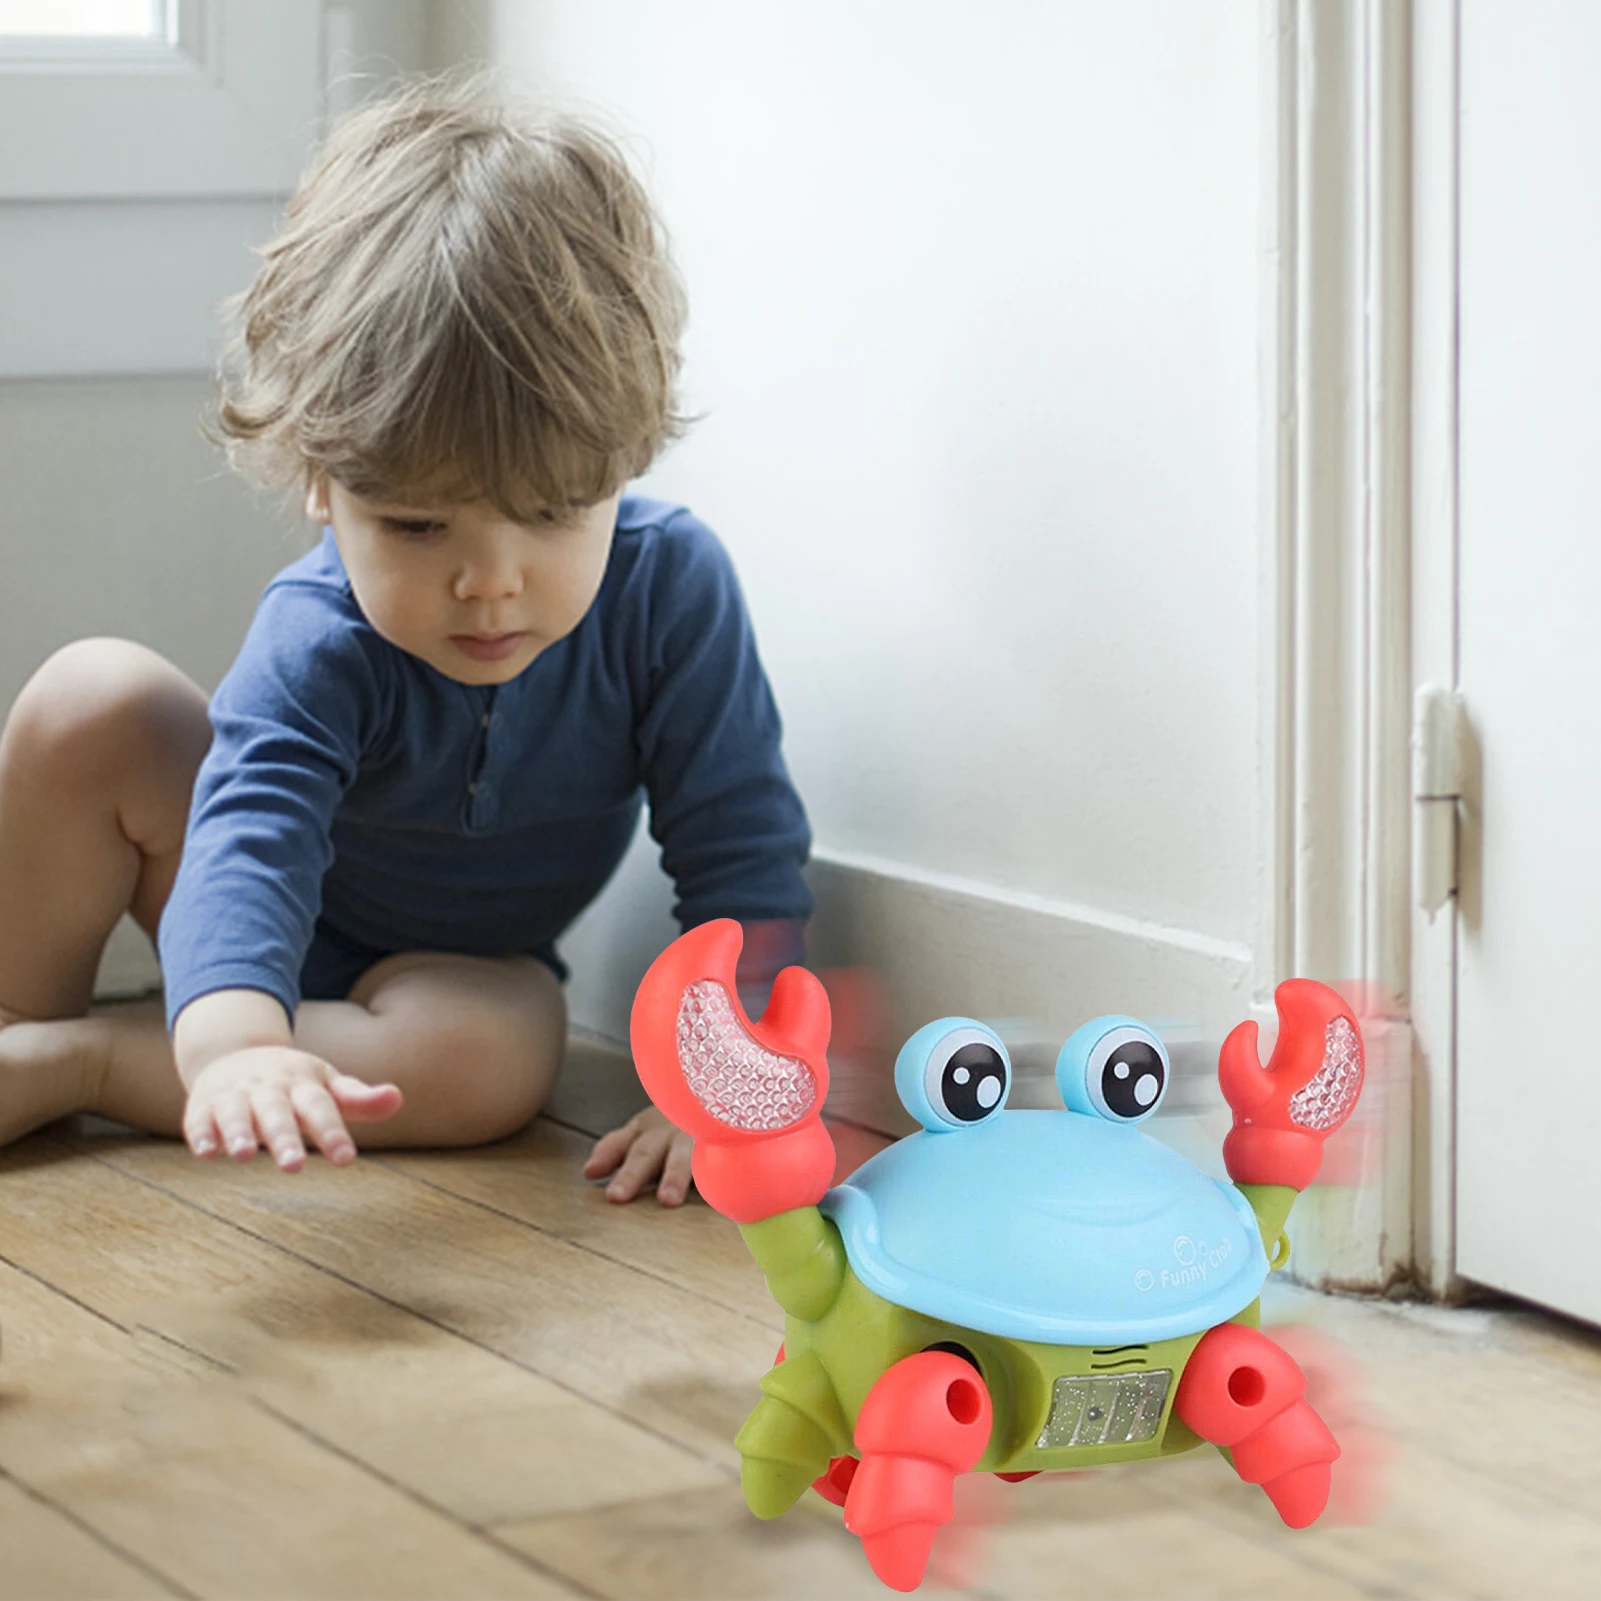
(47, 1070)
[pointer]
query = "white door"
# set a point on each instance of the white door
(1528, 1182)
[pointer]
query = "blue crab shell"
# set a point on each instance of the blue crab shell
(1051, 1226)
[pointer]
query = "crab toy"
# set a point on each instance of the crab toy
(1003, 1291)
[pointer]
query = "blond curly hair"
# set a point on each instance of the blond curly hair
(468, 300)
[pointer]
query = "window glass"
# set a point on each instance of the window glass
(78, 19)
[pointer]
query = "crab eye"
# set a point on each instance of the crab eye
(1114, 1068)
(953, 1074)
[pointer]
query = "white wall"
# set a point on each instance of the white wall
(120, 518)
(974, 293)
(117, 517)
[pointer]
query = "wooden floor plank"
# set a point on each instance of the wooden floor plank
(177, 1470)
(537, 1179)
(1130, 1532)
(1444, 1534)
(1431, 1374)
(657, 1354)
(231, 1502)
(1100, 1536)
(44, 1553)
(1420, 1405)
(703, 1546)
(382, 1385)
(479, 1343)
(597, 1089)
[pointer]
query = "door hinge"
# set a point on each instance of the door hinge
(1436, 794)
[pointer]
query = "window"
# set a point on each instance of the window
(93, 33)
(144, 146)
(85, 19)
(156, 99)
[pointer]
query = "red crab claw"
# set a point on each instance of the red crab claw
(750, 1094)
(925, 1420)
(1284, 1112)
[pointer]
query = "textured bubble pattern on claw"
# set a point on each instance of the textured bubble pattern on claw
(1330, 1093)
(737, 1081)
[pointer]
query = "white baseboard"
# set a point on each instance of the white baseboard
(940, 945)
(932, 945)
(949, 945)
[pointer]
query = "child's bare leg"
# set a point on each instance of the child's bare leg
(97, 762)
(474, 1044)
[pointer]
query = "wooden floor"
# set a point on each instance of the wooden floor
(469, 1375)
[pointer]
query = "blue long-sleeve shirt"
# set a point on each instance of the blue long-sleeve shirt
(348, 779)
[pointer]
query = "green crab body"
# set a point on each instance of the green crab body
(1001, 1292)
(1055, 1406)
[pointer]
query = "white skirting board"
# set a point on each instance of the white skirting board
(937, 946)
(945, 945)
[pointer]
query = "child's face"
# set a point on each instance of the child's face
(472, 594)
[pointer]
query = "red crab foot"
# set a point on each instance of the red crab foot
(1283, 1112)
(1242, 1391)
(835, 1485)
(749, 1094)
(926, 1420)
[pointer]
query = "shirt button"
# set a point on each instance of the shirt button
(487, 720)
(472, 789)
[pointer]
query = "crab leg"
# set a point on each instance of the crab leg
(925, 1420)
(749, 1093)
(788, 1440)
(1242, 1391)
(834, 1483)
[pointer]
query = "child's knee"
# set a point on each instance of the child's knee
(100, 704)
(495, 1072)
(499, 1085)
(475, 1043)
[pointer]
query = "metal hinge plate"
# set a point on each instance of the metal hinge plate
(1436, 792)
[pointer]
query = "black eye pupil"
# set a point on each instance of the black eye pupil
(973, 1082)
(1132, 1079)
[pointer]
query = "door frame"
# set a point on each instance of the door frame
(1358, 300)
(1436, 91)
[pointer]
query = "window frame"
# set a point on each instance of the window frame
(229, 109)
(115, 50)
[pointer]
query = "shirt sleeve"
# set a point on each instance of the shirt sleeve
(732, 830)
(289, 722)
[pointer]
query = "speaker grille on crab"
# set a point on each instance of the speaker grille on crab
(1325, 1099)
(737, 1081)
(1120, 1409)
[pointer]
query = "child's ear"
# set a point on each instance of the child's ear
(317, 499)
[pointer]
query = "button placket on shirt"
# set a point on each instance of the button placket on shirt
(480, 806)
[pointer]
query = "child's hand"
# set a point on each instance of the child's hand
(646, 1147)
(275, 1096)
